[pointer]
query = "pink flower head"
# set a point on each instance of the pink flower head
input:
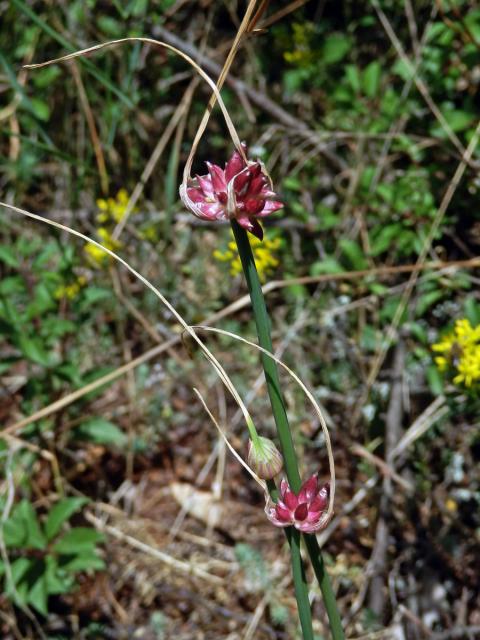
(242, 191)
(307, 511)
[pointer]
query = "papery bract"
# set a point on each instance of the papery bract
(242, 192)
(307, 511)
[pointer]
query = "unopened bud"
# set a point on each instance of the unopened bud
(264, 458)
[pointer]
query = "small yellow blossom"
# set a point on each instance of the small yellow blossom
(72, 290)
(460, 350)
(451, 505)
(263, 253)
(98, 257)
(150, 233)
(113, 209)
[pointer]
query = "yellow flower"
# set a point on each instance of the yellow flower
(451, 505)
(71, 290)
(263, 253)
(460, 350)
(98, 257)
(113, 209)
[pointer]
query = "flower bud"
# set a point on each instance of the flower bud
(264, 458)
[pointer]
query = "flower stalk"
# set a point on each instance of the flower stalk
(262, 322)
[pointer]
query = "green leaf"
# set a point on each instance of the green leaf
(435, 381)
(38, 594)
(92, 295)
(83, 562)
(19, 568)
(32, 348)
(101, 431)
(353, 76)
(56, 579)
(354, 254)
(458, 120)
(11, 285)
(371, 79)
(427, 300)
(14, 532)
(40, 109)
(110, 26)
(43, 301)
(77, 540)
(22, 529)
(335, 48)
(60, 513)
(327, 265)
(385, 238)
(9, 256)
(472, 310)
(35, 538)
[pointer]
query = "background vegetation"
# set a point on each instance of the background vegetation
(366, 115)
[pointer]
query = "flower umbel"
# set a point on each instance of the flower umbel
(307, 511)
(460, 350)
(242, 191)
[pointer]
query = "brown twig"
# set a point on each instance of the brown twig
(96, 143)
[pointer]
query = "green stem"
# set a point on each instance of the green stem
(300, 583)
(323, 579)
(284, 434)
(262, 322)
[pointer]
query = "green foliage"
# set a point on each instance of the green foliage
(100, 431)
(42, 559)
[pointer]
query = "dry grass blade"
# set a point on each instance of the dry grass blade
(173, 563)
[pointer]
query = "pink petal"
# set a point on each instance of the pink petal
(234, 166)
(253, 206)
(256, 169)
(241, 183)
(283, 514)
(290, 499)
(271, 206)
(206, 185)
(271, 515)
(196, 195)
(258, 185)
(305, 527)
(301, 512)
(309, 489)
(319, 503)
(218, 177)
(283, 487)
(211, 210)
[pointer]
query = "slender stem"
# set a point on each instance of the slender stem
(262, 322)
(325, 586)
(284, 434)
(300, 583)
